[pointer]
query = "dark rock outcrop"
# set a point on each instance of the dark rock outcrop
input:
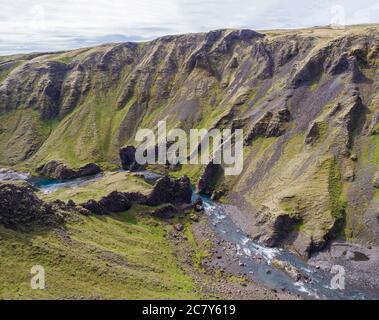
(199, 205)
(218, 194)
(169, 190)
(208, 180)
(60, 171)
(313, 134)
(95, 207)
(21, 209)
(128, 158)
(280, 228)
(136, 197)
(166, 191)
(348, 123)
(116, 202)
(167, 211)
(271, 124)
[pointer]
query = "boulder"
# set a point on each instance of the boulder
(21, 209)
(348, 174)
(60, 171)
(128, 158)
(218, 194)
(179, 227)
(289, 269)
(116, 202)
(88, 169)
(199, 205)
(169, 190)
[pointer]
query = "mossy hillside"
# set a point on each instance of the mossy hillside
(22, 133)
(111, 181)
(200, 251)
(6, 71)
(337, 204)
(87, 134)
(124, 256)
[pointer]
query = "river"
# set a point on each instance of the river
(257, 259)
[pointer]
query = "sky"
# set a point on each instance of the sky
(54, 25)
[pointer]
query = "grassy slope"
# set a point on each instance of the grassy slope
(123, 256)
(112, 181)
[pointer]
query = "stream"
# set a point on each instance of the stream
(256, 259)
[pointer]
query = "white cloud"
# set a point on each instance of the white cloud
(48, 25)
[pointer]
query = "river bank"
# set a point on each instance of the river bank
(256, 272)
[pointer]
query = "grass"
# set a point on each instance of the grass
(112, 181)
(336, 203)
(374, 154)
(64, 59)
(124, 256)
(291, 205)
(199, 252)
(4, 74)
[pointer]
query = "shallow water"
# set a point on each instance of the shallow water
(10, 175)
(50, 185)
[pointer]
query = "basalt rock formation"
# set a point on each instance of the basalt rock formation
(169, 190)
(60, 171)
(21, 209)
(207, 182)
(128, 158)
(307, 101)
(114, 202)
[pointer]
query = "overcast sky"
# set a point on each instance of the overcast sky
(49, 25)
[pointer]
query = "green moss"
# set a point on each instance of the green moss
(291, 205)
(374, 150)
(199, 252)
(314, 85)
(323, 129)
(4, 74)
(64, 59)
(123, 256)
(337, 205)
(300, 227)
(192, 171)
(112, 181)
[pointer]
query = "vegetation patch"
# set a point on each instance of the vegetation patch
(123, 256)
(199, 252)
(337, 205)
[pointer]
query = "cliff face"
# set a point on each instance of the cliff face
(308, 102)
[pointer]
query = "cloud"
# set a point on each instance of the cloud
(49, 25)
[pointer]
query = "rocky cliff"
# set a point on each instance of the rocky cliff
(308, 102)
